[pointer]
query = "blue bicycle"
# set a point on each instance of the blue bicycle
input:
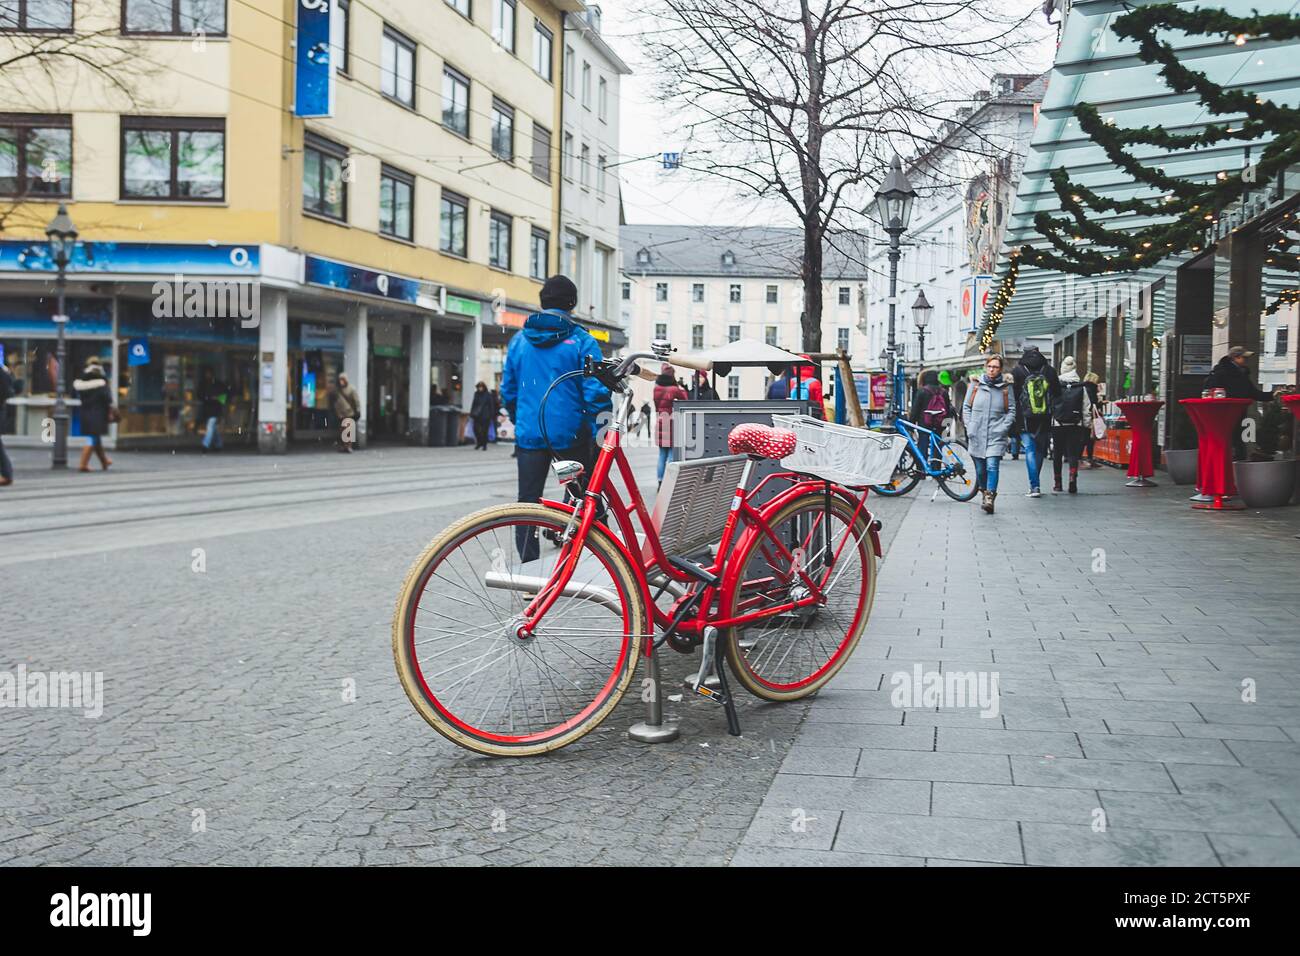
(947, 461)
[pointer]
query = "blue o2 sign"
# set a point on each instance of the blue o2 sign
(313, 71)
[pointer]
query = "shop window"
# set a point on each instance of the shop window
(35, 155)
(539, 253)
(396, 202)
(397, 67)
(503, 130)
(43, 16)
(499, 240)
(453, 219)
(173, 16)
(324, 186)
(173, 158)
(455, 101)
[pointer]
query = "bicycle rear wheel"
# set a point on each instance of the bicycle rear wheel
(791, 655)
(959, 482)
(904, 479)
(459, 651)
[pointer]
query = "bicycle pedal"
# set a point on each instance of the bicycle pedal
(704, 690)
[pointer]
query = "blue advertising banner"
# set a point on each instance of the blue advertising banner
(313, 71)
(137, 352)
(162, 258)
(340, 275)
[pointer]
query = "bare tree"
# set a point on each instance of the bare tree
(807, 101)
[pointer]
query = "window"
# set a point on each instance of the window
(35, 155)
(455, 101)
(570, 262)
(728, 259)
(539, 253)
(568, 70)
(602, 100)
(396, 202)
(842, 339)
(769, 335)
(341, 15)
(503, 23)
(1281, 343)
(397, 67)
(173, 158)
(600, 281)
(542, 42)
(503, 130)
(568, 156)
(697, 337)
(733, 333)
(771, 295)
(164, 16)
(453, 217)
(499, 240)
(733, 294)
(733, 386)
(697, 292)
(845, 295)
(584, 166)
(36, 15)
(661, 291)
(950, 250)
(643, 257)
(661, 331)
(324, 190)
(460, 6)
(586, 84)
(600, 178)
(627, 292)
(541, 152)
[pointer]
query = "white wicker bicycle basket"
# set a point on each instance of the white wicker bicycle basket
(841, 453)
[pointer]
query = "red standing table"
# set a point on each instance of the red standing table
(1215, 418)
(1141, 415)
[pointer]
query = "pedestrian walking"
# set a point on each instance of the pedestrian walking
(549, 345)
(347, 407)
(1072, 415)
(930, 405)
(667, 391)
(1036, 387)
(1091, 381)
(213, 397)
(481, 411)
(97, 411)
(988, 412)
(6, 393)
(703, 390)
(778, 390)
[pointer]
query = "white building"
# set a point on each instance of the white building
(701, 286)
(589, 186)
(965, 186)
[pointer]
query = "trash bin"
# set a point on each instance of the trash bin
(455, 430)
(437, 425)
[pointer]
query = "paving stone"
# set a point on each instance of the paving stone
(1036, 742)
(826, 761)
(1158, 749)
(782, 857)
(1056, 844)
(1091, 774)
(849, 793)
(995, 841)
(1207, 813)
(1050, 804)
(928, 765)
(1236, 850)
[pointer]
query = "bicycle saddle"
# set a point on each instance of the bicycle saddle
(762, 441)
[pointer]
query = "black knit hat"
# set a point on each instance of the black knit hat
(559, 293)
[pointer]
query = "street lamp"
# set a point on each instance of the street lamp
(894, 209)
(921, 312)
(62, 237)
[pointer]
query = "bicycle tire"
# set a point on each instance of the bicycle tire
(899, 486)
(429, 703)
(967, 478)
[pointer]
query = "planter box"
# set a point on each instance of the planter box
(1266, 484)
(1181, 465)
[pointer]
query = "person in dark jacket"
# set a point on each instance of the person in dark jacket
(1090, 383)
(481, 411)
(92, 389)
(929, 390)
(778, 389)
(1232, 375)
(549, 345)
(1037, 386)
(6, 393)
(667, 391)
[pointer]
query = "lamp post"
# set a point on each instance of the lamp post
(921, 312)
(62, 237)
(894, 208)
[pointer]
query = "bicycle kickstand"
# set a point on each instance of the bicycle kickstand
(711, 662)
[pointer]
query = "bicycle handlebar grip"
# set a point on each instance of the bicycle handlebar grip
(691, 361)
(646, 374)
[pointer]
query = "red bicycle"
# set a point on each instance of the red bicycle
(512, 647)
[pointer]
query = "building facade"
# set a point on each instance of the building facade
(269, 196)
(700, 287)
(589, 185)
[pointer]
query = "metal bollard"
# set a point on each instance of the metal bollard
(653, 730)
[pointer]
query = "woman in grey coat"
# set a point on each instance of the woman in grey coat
(989, 410)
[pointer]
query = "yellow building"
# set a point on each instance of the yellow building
(270, 192)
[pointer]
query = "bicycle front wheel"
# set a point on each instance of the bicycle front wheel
(793, 654)
(958, 481)
(903, 480)
(463, 660)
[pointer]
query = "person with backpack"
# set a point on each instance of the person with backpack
(930, 405)
(988, 411)
(1036, 386)
(806, 386)
(1072, 413)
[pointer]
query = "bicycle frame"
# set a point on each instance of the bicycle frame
(934, 443)
(728, 575)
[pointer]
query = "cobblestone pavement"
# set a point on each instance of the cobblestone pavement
(1126, 629)
(223, 700)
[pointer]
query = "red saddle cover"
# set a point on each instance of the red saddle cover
(762, 440)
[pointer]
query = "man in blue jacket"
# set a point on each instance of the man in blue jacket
(549, 345)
